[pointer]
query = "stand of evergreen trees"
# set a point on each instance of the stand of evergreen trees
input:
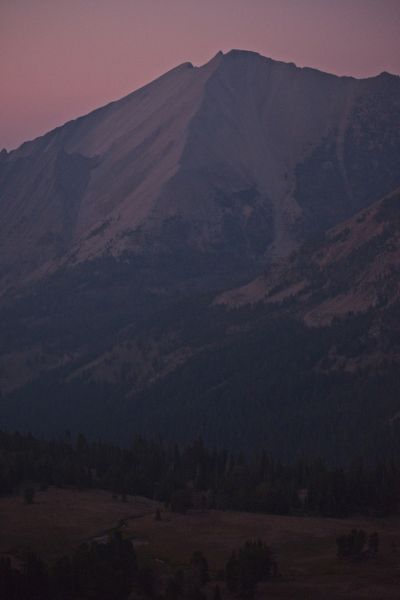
(357, 544)
(110, 571)
(96, 571)
(194, 476)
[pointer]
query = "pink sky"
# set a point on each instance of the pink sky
(62, 58)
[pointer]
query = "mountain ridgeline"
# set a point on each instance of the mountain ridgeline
(215, 254)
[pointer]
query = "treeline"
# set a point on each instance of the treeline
(194, 476)
(95, 571)
(358, 544)
(257, 378)
(111, 571)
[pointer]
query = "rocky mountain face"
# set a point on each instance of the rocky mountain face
(351, 268)
(239, 160)
(128, 239)
(301, 360)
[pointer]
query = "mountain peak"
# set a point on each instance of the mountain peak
(185, 65)
(234, 141)
(235, 54)
(387, 75)
(239, 53)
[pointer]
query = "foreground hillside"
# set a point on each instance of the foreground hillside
(305, 547)
(78, 524)
(60, 520)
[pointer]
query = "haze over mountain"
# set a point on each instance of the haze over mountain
(121, 232)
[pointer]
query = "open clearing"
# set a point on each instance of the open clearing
(61, 519)
(305, 547)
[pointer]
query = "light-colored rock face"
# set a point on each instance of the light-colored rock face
(215, 148)
(354, 268)
(139, 145)
(132, 147)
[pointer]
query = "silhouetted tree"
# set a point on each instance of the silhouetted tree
(29, 495)
(252, 564)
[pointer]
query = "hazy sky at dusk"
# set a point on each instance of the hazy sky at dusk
(61, 58)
